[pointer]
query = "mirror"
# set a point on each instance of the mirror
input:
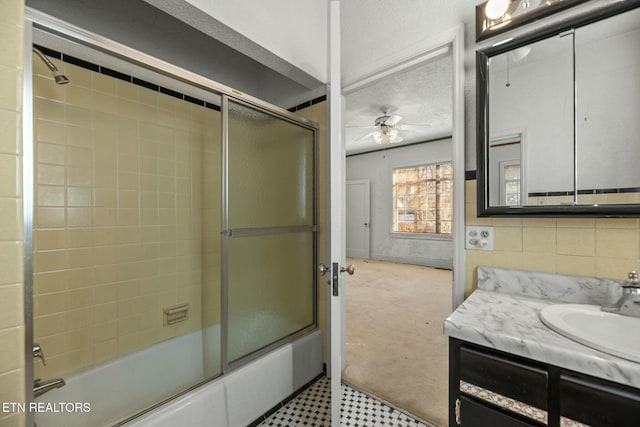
(558, 127)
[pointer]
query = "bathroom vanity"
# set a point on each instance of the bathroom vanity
(507, 368)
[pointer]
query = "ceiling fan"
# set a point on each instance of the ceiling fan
(387, 128)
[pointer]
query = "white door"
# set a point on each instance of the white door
(337, 214)
(357, 218)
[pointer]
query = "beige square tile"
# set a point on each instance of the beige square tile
(12, 12)
(10, 88)
(541, 240)
(539, 222)
(52, 281)
(575, 222)
(11, 306)
(127, 90)
(542, 262)
(45, 87)
(80, 358)
(57, 302)
(80, 278)
(50, 110)
(79, 156)
(79, 217)
(11, 263)
(54, 324)
(78, 76)
(80, 177)
(10, 172)
(575, 265)
(105, 84)
(51, 132)
(106, 312)
(48, 195)
(12, 355)
(576, 241)
(50, 174)
(79, 136)
(16, 419)
(11, 222)
(104, 294)
(50, 217)
(105, 331)
(615, 268)
(52, 154)
(507, 239)
(618, 243)
(104, 102)
(505, 259)
(626, 223)
(79, 96)
(79, 196)
(106, 350)
(81, 317)
(12, 386)
(80, 299)
(10, 129)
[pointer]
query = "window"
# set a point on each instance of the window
(511, 184)
(423, 199)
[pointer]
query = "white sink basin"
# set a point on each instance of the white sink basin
(608, 332)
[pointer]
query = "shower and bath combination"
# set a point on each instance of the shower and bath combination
(60, 78)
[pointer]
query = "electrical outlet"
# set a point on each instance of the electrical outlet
(479, 238)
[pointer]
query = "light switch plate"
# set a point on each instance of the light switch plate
(479, 238)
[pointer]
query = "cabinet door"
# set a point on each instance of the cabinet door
(475, 414)
(598, 403)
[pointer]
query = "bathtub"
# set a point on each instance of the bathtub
(232, 400)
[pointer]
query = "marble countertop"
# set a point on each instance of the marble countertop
(510, 322)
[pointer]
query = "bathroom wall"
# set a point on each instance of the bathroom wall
(601, 247)
(118, 217)
(378, 168)
(12, 331)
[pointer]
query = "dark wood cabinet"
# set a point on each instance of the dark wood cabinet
(556, 391)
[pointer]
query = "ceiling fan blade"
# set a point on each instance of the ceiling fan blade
(360, 127)
(365, 137)
(407, 126)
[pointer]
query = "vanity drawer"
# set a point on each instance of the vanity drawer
(598, 403)
(520, 381)
(475, 414)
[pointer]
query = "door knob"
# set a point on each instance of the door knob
(323, 269)
(349, 269)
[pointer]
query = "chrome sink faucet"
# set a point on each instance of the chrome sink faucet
(629, 302)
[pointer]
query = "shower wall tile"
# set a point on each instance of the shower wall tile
(119, 217)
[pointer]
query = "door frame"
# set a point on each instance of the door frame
(368, 216)
(452, 40)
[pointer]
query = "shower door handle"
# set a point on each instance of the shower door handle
(323, 269)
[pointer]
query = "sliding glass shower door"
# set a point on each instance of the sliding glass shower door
(269, 229)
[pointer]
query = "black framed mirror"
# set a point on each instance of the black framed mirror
(558, 118)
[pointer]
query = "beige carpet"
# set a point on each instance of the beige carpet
(396, 349)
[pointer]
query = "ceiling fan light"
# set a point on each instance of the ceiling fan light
(496, 8)
(377, 136)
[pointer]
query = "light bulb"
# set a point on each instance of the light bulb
(377, 137)
(496, 8)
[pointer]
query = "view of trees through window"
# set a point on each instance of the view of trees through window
(423, 199)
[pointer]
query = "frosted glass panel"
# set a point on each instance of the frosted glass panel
(270, 289)
(270, 170)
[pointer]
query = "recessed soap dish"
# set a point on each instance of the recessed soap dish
(175, 313)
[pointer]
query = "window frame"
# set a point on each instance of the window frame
(413, 234)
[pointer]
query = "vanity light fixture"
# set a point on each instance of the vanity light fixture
(496, 8)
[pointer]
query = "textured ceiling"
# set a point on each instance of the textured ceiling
(422, 96)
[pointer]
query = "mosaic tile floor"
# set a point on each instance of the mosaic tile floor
(312, 407)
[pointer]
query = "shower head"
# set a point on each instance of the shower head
(60, 78)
